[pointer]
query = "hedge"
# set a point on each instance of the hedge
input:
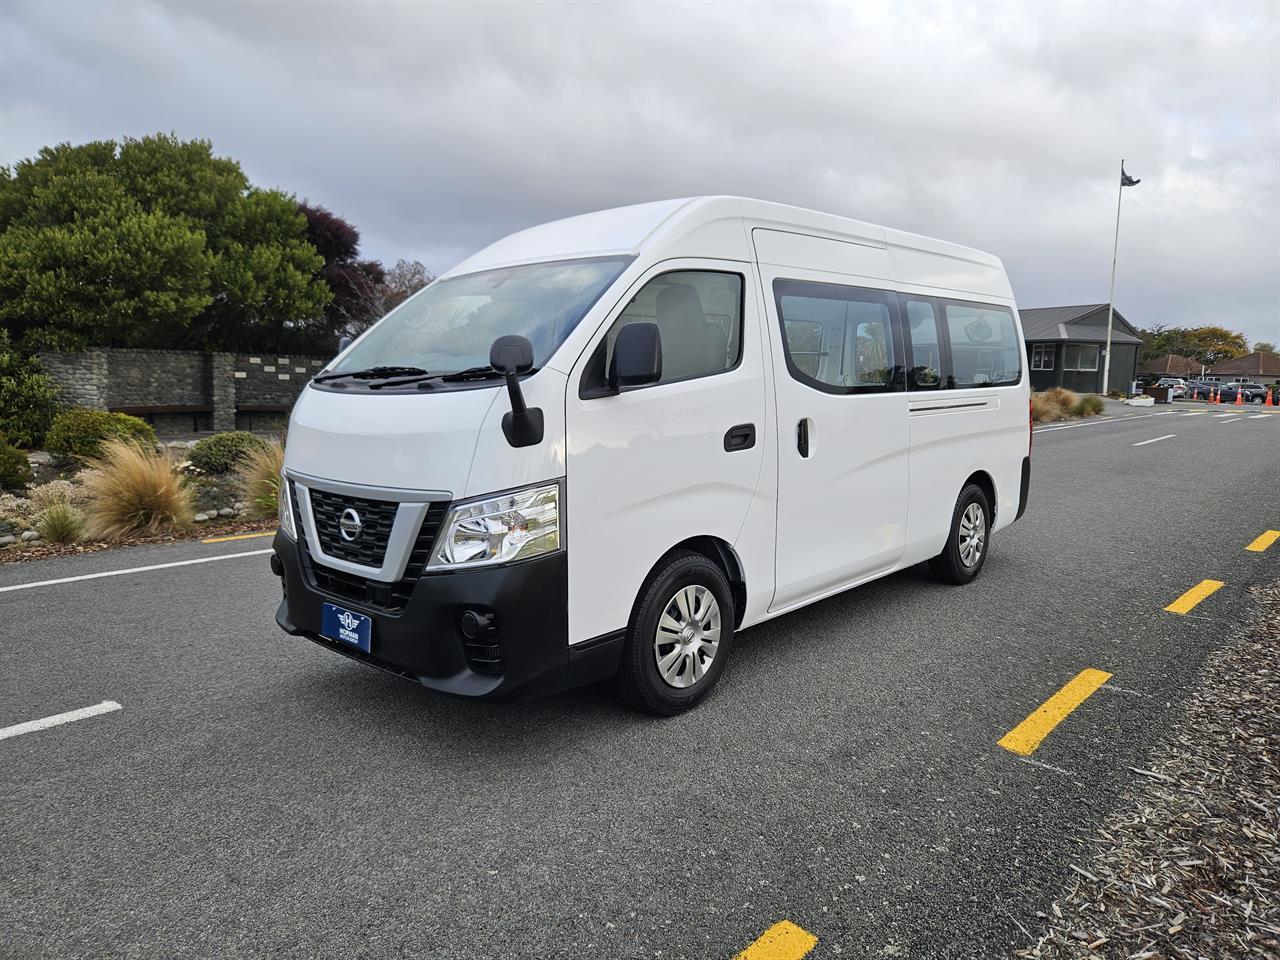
(78, 433)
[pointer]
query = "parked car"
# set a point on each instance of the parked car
(1253, 392)
(1201, 389)
(1177, 386)
(602, 446)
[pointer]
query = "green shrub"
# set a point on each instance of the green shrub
(1088, 405)
(221, 453)
(60, 523)
(26, 396)
(79, 433)
(15, 472)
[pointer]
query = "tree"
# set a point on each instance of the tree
(153, 242)
(26, 396)
(355, 284)
(1265, 346)
(1208, 345)
(403, 280)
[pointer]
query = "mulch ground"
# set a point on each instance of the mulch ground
(19, 553)
(1189, 865)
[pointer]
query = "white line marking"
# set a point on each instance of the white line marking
(1090, 423)
(1047, 766)
(1259, 416)
(31, 726)
(1232, 420)
(1219, 416)
(1198, 413)
(1143, 443)
(120, 573)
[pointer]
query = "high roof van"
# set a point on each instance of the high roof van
(604, 446)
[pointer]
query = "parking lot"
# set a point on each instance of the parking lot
(256, 795)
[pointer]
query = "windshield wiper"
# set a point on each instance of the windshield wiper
(373, 373)
(471, 373)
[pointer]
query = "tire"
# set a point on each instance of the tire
(706, 610)
(1256, 400)
(957, 563)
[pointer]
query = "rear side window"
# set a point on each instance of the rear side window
(924, 368)
(699, 313)
(984, 345)
(838, 339)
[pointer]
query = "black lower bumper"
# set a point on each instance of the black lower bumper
(523, 653)
(1024, 488)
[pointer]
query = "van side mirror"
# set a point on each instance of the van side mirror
(637, 356)
(512, 356)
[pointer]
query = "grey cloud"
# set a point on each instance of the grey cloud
(438, 128)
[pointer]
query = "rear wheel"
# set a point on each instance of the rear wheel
(966, 551)
(679, 637)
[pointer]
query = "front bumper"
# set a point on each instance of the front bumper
(525, 654)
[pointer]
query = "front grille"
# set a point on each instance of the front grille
(354, 588)
(377, 517)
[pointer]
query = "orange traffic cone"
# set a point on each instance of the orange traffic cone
(1268, 402)
(1239, 396)
(1213, 395)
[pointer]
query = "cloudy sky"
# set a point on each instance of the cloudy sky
(438, 128)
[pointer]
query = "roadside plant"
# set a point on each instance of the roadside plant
(60, 523)
(15, 472)
(45, 495)
(78, 434)
(258, 479)
(221, 453)
(26, 395)
(133, 490)
(1088, 405)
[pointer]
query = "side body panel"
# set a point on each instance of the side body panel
(647, 468)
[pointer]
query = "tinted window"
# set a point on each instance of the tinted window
(837, 338)
(925, 367)
(984, 345)
(700, 316)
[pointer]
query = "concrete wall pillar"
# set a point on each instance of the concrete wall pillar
(222, 390)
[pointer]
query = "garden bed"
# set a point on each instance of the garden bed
(24, 552)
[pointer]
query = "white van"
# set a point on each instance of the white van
(602, 446)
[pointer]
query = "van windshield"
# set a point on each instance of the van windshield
(449, 326)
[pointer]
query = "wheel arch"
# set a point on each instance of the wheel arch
(983, 480)
(722, 554)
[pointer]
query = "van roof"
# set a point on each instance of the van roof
(632, 229)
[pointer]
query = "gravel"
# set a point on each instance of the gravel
(1189, 865)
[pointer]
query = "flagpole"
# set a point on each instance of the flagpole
(1111, 294)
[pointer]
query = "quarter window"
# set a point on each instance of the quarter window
(699, 314)
(984, 345)
(1080, 356)
(1042, 356)
(837, 339)
(925, 371)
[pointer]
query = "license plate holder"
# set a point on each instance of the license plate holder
(347, 627)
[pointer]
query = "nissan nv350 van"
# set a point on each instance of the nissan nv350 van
(603, 446)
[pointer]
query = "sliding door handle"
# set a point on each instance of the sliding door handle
(802, 437)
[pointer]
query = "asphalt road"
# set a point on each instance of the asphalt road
(259, 796)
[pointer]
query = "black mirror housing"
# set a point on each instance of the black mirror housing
(637, 356)
(511, 354)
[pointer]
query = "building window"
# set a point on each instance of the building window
(1042, 356)
(1080, 356)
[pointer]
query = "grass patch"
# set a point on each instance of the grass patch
(134, 490)
(60, 523)
(258, 479)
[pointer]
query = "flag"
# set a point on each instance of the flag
(1126, 180)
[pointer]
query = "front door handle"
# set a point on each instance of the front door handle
(802, 437)
(741, 437)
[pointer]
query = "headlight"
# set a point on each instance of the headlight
(509, 526)
(284, 504)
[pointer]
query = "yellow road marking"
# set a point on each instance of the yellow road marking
(1026, 736)
(240, 536)
(1187, 602)
(1264, 541)
(783, 941)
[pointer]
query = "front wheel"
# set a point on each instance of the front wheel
(966, 551)
(679, 637)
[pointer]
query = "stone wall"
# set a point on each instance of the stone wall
(184, 391)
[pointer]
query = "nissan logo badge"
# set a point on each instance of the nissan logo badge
(350, 525)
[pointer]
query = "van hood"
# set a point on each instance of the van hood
(428, 440)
